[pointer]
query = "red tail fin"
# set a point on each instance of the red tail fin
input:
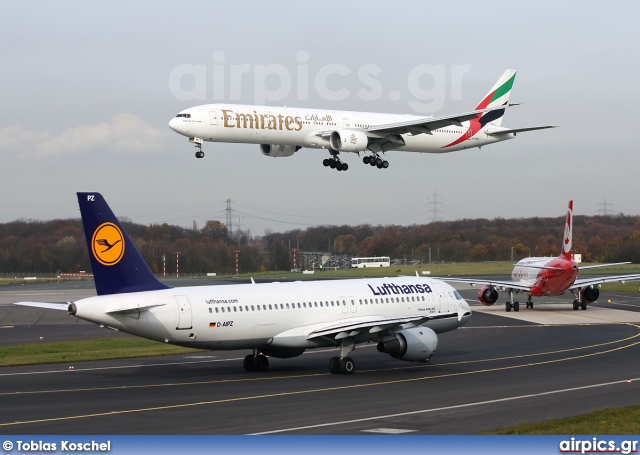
(567, 248)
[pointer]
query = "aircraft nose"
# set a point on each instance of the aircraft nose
(173, 124)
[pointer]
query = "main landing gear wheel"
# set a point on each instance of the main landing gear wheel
(347, 366)
(200, 154)
(256, 363)
(335, 164)
(516, 306)
(575, 305)
(583, 305)
(344, 366)
(334, 365)
(507, 306)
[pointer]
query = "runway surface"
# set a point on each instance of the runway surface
(500, 369)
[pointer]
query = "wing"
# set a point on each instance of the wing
(428, 124)
(604, 279)
(516, 285)
(377, 326)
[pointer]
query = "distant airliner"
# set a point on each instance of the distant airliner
(547, 276)
(401, 315)
(282, 131)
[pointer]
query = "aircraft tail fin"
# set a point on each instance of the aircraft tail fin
(117, 265)
(567, 247)
(497, 96)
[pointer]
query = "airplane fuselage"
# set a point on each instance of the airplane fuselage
(276, 315)
(555, 279)
(304, 127)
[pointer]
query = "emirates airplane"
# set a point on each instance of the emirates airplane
(282, 131)
(402, 315)
(546, 276)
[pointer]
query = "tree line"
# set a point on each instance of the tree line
(59, 246)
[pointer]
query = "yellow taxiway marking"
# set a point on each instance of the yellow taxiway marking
(317, 390)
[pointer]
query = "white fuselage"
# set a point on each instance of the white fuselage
(276, 315)
(304, 127)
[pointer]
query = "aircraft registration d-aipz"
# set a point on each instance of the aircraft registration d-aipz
(402, 315)
(282, 131)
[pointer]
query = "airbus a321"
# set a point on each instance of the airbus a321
(282, 131)
(402, 315)
(547, 276)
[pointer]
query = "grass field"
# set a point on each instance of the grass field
(78, 351)
(624, 420)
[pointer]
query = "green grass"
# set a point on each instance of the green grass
(78, 351)
(624, 420)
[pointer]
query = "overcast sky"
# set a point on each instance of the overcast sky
(89, 87)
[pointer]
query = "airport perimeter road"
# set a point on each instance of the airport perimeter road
(499, 370)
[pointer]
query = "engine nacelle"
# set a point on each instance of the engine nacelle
(349, 141)
(589, 293)
(487, 295)
(414, 345)
(283, 353)
(278, 151)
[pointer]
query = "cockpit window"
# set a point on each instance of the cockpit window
(458, 296)
(184, 115)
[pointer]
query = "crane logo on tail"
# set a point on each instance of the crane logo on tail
(107, 244)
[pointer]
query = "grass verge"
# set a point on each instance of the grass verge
(625, 420)
(79, 351)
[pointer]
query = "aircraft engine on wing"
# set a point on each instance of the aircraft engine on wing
(349, 141)
(487, 295)
(414, 345)
(278, 151)
(589, 293)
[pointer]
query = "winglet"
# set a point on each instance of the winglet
(117, 265)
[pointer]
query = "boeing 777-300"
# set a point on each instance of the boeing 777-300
(282, 131)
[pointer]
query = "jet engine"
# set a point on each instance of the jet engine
(277, 151)
(349, 141)
(487, 295)
(589, 293)
(414, 345)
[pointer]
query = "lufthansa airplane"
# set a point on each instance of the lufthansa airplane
(547, 276)
(282, 131)
(402, 315)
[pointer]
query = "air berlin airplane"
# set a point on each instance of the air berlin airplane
(546, 276)
(282, 131)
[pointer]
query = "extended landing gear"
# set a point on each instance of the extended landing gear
(343, 364)
(256, 362)
(578, 304)
(529, 303)
(335, 163)
(198, 143)
(376, 161)
(509, 304)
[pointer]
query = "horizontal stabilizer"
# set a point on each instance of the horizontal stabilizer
(49, 306)
(596, 266)
(518, 130)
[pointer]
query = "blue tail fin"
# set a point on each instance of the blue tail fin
(116, 263)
